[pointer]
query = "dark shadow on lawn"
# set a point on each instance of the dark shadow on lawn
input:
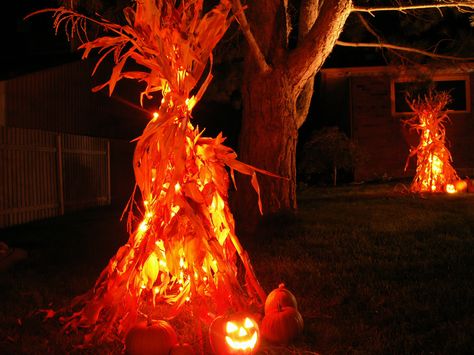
(65, 257)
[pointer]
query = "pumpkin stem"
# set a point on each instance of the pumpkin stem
(281, 285)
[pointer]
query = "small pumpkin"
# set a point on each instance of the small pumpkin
(237, 333)
(282, 325)
(182, 349)
(146, 338)
(280, 297)
(460, 185)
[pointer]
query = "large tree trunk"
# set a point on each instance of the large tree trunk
(268, 141)
(276, 96)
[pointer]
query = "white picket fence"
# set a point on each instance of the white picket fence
(45, 174)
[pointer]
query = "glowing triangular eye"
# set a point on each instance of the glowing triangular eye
(242, 332)
(248, 323)
(231, 327)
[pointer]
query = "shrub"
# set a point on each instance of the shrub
(326, 153)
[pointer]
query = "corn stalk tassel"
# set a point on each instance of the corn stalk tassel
(434, 172)
(182, 248)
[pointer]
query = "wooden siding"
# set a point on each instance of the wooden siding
(60, 99)
(383, 138)
(55, 99)
(45, 174)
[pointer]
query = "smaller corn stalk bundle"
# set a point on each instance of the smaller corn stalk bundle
(434, 172)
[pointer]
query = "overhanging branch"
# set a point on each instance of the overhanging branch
(309, 11)
(458, 5)
(308, 57)
(401, 48)
(252, 42)
(376, 35)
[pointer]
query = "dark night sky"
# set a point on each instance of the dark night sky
(31, 44)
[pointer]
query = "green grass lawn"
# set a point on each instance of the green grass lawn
(375, 271)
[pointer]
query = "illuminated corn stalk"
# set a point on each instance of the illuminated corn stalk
(182, 249)
(434, 172)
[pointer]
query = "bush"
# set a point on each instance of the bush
(327, 153)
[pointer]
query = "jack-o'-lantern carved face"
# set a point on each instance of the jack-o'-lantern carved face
(236, 334)
(241, 336)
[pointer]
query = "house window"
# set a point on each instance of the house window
(457, 87)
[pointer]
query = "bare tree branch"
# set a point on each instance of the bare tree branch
(287, 23)
(369, 28)
(254, 47)
(309, 11)
(469, 4)
(380, 40)
(401, 48)
(304, 61)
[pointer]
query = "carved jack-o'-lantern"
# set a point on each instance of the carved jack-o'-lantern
(234, 334)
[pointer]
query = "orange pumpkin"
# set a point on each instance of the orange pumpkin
(150, 339)
(182, 349)
(460, 185)
(280, 297)
(282, 325)
(234, 334)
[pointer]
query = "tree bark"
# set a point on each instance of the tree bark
(268, 141)
(271, 112)
(308, 58)
(309, 11)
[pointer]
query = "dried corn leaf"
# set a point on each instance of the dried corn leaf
(182, 247)
(433, 166)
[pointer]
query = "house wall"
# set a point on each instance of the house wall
(383, 139)
(460, 134)
(60, 99)
(381, 135)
